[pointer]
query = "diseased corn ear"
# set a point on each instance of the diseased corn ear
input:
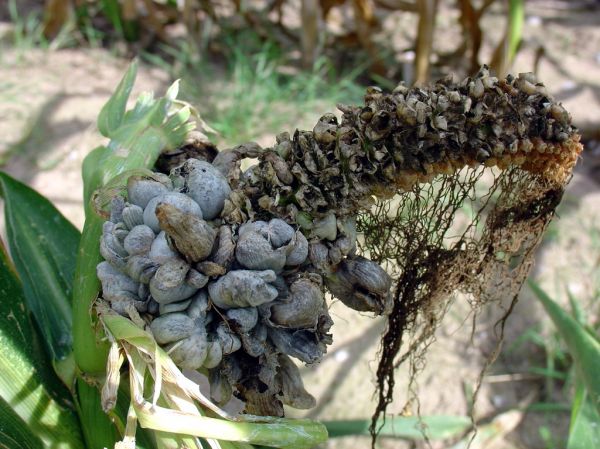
(230, 267)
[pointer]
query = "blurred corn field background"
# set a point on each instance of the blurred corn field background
(348, 30)
(256, 68)
(305, 50)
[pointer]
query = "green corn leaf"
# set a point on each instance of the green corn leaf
(584, 349)
(43, 245)
(111, 115)
(407, 427)
(128, 29)
(584, 431)
(113, 13)
(138, 136)
(506, 51)
(28, 385)
(516, 19)
(166, 440)
(14, 432)
(98, 429)
(169, 440)
(238, 445)
(577, 311)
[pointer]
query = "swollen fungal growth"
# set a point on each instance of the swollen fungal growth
(229, 268)
(399, 140)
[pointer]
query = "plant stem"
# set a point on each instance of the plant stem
(90, 351)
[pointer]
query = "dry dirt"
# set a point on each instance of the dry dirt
(48, 104)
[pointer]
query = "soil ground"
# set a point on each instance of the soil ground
(48, 105)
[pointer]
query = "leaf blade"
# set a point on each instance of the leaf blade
(98, 430)
(111, 115)
(14, 432)
(516, 17)
(584, 349)
(43, 244)
(584, 431)
(28, 384)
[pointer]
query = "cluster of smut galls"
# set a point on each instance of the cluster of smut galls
(234, 299)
